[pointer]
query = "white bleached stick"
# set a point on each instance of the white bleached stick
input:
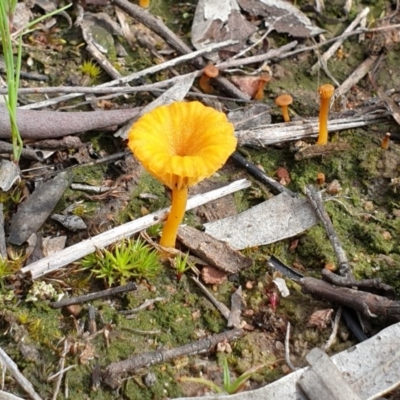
(79, 250)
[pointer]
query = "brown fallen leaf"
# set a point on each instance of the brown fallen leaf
(320, 318)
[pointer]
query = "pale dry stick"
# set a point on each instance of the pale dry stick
(290, 131)
(356, 76)
(62, 363)
(287, 349)
(335, 328)
(269, 55)
(79, 250)
(332, 50)
(63, 371)
(7, 362)
(137, 75)
(8, 396)
(115, 372)
(342, 36)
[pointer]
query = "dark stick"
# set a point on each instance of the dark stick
(93, 296)
(115, 372)
(314, 198)
(368, 304)
(260, 175)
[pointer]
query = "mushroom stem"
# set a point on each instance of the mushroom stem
(175, 217)
(285, 113)
(325, 92)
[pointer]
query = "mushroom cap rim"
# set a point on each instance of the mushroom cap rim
(211, 71)
(284, 100)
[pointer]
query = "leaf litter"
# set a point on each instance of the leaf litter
(365, 173)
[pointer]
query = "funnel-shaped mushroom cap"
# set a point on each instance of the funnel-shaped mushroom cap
(182, 143)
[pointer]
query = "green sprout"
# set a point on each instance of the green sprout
(13, 68)
(228, 387)
(91, 70)
(124, 260)
(181, 264)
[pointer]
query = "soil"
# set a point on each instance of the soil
(365, 213)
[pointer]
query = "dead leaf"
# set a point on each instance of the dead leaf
(247, 84)
(282, 16)
(216, 21)
(320, 318)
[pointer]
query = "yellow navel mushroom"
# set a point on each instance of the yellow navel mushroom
(325, 92)
(180, 145)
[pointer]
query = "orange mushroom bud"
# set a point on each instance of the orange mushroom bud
(325, 92)
(385, 141)
(284, 100)
(210, 71)
(180, 145)
(144, 3)
(320, 178)
(264, 79)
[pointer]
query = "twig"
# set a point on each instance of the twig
(93, 296)
(115, 372)
(269, 55)
(62, 371)
(335, 328)
(287, 349)
(7, 362)
(137, 75)
(315, 200)
(260, 175)
(3, 248)
(332, 50)
(79, 250)
(356, 76)
(221, 307)
(289, 131)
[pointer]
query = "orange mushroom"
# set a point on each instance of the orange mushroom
(144, 3)
(284, 101)
(180, 145)
(386, 141)
(210, 71)
(325, 92)
(263, 80)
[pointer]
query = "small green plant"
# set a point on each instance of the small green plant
(154, 230)
(91, 70)
(124, 260)
(13, 68)
(228, 387)
(181, 264)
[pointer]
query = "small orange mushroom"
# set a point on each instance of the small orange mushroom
(180, 145)
(210, 71)
(386, 141)
(144, 3)
(284, 101)
(325, 92)
(263, 80)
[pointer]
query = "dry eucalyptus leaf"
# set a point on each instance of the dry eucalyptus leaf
(282, 16)
(216, 21)
(247, 84)
(275, 219)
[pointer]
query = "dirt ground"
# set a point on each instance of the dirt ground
(365, 211)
